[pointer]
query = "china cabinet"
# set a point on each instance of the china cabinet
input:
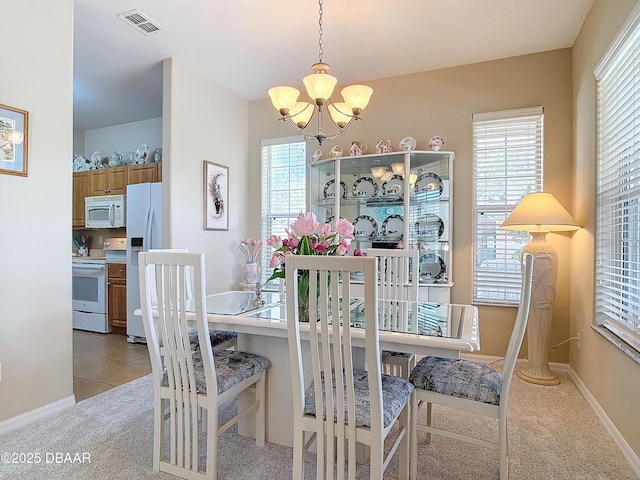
(391, 209)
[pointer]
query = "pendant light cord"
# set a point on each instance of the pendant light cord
(320, 51)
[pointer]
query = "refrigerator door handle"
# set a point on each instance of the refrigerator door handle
(147, 230)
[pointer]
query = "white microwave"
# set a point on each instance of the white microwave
(105, 212)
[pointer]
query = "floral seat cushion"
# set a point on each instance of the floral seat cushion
(458, 378)
(391, 353)
(231, 368)
(217, 337)
(395, 391)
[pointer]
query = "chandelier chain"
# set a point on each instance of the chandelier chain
(320, 31)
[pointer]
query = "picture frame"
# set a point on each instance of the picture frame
(216, 196)
(14, 140)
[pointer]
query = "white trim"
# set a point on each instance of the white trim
(270, 142)
(629, 25)
(505, 114)
(36, 414)
(627, 451)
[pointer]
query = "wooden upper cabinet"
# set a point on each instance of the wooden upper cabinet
(144, 173)
(107, 181)
(80, 180)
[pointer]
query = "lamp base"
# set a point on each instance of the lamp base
(539, 376)
(545, 265)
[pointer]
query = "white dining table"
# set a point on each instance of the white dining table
(443, 330)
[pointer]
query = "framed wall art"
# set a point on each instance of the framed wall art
(216, 196)
(14, 126)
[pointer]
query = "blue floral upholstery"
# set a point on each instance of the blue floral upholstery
(231, 368)
(458, 378)
(395, 391)
(217, 337)
(390, 353)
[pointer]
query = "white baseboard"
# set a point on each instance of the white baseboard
(619, 440)
(36, 414)
(627, 451)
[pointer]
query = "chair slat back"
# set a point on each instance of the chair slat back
(166, 280)
(331, 339)
(398, 279)
(520, 324)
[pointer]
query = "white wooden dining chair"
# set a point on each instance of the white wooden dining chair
(365, 405)
(398, 283)
(187, 378)
(219, 338)
(471, 386)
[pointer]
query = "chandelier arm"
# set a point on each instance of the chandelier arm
(351, 115)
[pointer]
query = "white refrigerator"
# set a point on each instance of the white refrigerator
(144, 232)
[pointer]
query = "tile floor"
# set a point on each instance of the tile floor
(103, 361)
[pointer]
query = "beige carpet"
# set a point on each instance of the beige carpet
(554, 434)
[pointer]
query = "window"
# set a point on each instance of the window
(284, 192)
(617, 289)
(507, 164)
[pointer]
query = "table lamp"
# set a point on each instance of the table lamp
(538, 214)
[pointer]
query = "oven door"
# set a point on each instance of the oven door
(89, 287)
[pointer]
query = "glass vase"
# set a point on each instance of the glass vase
(251, 272)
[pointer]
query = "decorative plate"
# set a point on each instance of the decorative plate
(432, 267)
(365, 187)
(393, 226)
(436, 143)
(364, 227)
(431, 228)
(429, 182)
(408, 143)
(393, 186)
(329, 189)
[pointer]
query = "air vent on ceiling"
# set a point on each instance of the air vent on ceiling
(141, 22)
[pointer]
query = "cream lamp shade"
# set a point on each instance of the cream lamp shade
(540, 212)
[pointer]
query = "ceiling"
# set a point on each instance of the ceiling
(118, 73)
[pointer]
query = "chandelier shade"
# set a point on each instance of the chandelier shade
(320, 85)
(284, 98)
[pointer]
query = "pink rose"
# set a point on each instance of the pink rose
(344, 228)
(306, 224)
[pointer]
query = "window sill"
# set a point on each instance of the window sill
(625, 347)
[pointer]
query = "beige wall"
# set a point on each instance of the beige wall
(611, 376)
(35, 273)
(441, 103)
(203, 121)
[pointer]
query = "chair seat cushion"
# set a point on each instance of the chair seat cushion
(390, 353)
(395, 391)
(232, 367)
(217, 337)
(458, 378)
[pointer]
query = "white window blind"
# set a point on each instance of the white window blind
(617, 276)
(284, 189)
(507, 154)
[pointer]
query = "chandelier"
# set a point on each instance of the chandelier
(319, 87)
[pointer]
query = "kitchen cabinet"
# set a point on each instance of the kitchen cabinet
(117, 297)
(107, 181)
(144, 173)
(80, 188)
(413, 211)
